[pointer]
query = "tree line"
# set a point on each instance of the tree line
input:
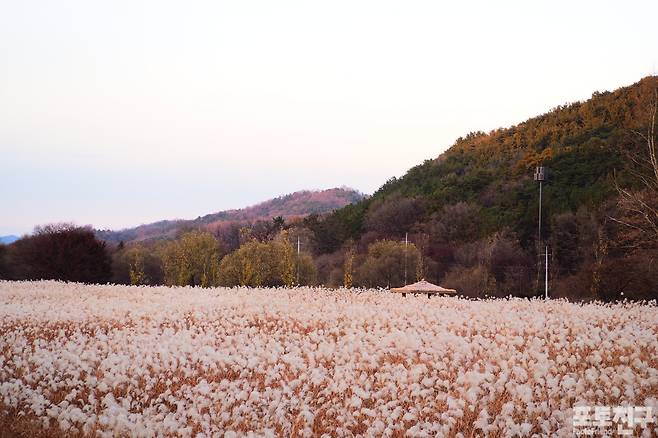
(197, 258)
(590, 257)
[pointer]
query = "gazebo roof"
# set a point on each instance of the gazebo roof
(423, 287)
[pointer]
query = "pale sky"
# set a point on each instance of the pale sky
(117, 113)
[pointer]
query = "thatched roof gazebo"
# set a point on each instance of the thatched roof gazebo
(423, 287)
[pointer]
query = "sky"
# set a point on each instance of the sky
(125, 112)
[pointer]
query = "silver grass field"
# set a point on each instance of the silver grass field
(79, 360)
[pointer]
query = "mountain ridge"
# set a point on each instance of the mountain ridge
(289, 206)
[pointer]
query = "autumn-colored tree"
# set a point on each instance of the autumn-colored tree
(136, 270)
(231, 269)
(298, 267)
(192, 259)
(287, 261)
(307, 274)
(385, 264)
(137, 264)
(259, 264)
(348, 280)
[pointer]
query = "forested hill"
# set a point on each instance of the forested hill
(484, 185)
(293, 205)
(581, 144)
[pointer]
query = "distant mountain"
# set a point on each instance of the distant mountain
(294, 205)
(8, 239)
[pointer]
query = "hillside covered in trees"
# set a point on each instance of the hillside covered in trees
(470, 215)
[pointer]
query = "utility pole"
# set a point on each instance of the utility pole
(298, 246)
(540, 176)
(406, 244)
(546, 276)
(540, 196)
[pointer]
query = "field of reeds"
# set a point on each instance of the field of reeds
(78, 360)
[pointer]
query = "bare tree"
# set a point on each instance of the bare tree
(641, 206)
